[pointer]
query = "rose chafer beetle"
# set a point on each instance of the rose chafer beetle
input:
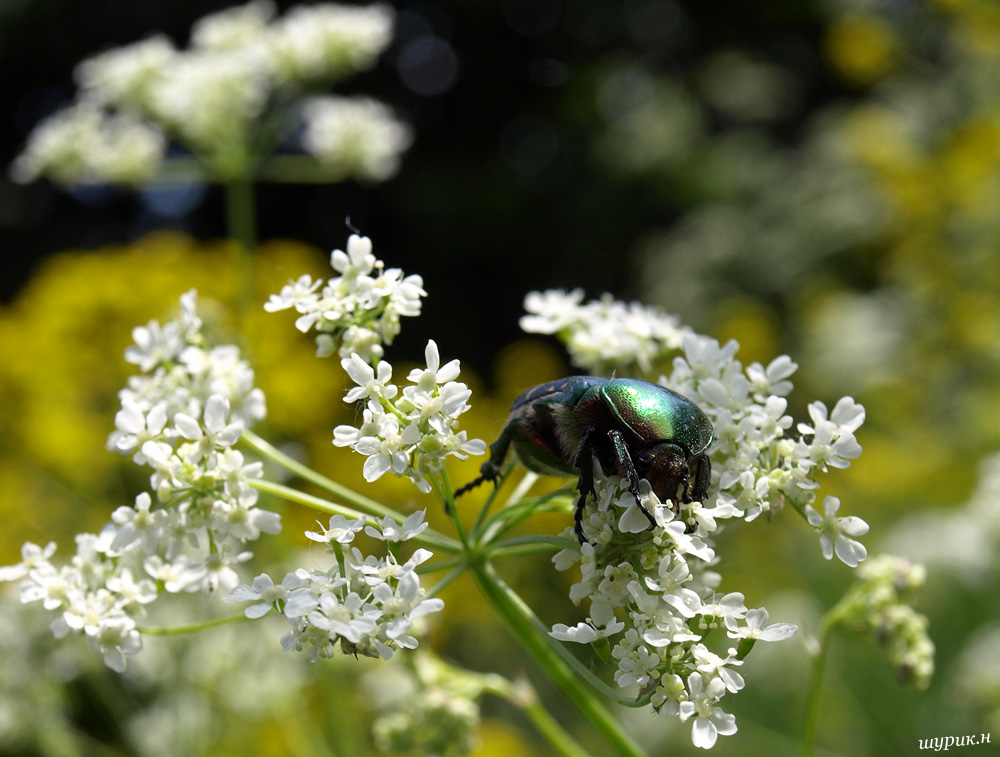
(639, 429)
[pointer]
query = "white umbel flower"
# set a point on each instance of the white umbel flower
(835, 533)
(355, 136)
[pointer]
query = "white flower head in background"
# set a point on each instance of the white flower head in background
(355, 136)
(231, 99)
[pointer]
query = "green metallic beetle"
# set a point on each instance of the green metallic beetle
(636, 428)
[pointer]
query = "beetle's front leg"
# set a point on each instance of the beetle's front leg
(625, 461)
(702, 478)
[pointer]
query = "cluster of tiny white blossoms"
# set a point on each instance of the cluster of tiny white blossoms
(244, 73)
(357, 312)
(181, 416)
(368, 604)
(653, 598)
(756, 467)
(604, 334)
(887, 582)
(427, 707)
(652, 595)
(411, 432)
(356, 136)
(83, 145)
(365, 604)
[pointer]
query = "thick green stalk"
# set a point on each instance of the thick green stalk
(241, 220)
(523, 696)
(846, 607)
(529, 632)
(815, 690)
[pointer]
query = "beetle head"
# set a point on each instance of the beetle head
(665, 466)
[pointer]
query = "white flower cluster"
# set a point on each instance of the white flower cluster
(427, 707)
(211, 100)
(366, 604)
(757, 467)
(99, 594)
(84, 144)
(323, 42)
(358, 311)
(651, 594)
(180, 374)
(221, 98)
(409, 433)
(605, 334)
(355, 136)
(181, 416)
(887, 582)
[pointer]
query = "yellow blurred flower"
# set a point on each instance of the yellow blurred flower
(862, 48)
(61, 366)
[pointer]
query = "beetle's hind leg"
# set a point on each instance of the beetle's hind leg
(492, 468)
(584, 463)
(487, 472)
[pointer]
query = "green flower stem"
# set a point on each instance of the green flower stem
(429, 537)
(241, 220)
(815, 688)
(441, 484)
(553, 660)
(306, 473)
(193, 627)
(844, 609)
(800, 509)
(481, 517)
(528, 545)
(443, 583)
(511, 516)
(438, 565)
(523, 696)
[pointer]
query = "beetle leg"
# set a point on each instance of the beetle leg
(702, 477)
(585, 464)
(585, 461)
(578, 519)
(490, 470)
(625, 461)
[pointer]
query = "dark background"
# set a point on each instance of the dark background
(501, 191)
